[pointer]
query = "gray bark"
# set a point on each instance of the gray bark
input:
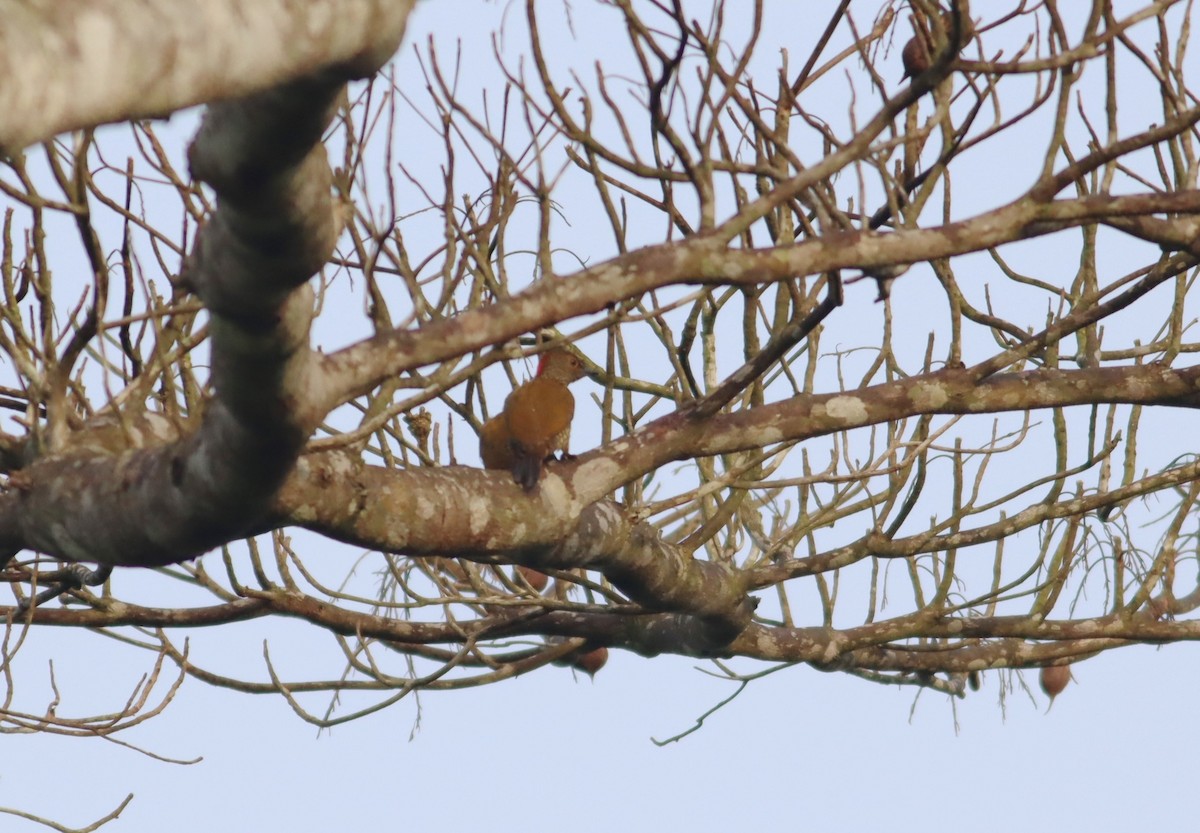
(89, 62)
(273, 229)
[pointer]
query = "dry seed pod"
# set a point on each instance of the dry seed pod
(1054, 679)
(591, 661)
(534, 578)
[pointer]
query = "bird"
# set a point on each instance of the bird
(536, 420)
(494, 449)
(916, 55)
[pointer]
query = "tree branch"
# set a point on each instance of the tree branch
(78, 65)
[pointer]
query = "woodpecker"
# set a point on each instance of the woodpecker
(916, 55)
(536, 420)
(494, 449)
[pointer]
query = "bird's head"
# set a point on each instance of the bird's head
(562, 364)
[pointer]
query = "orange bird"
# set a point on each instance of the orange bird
(536, 420)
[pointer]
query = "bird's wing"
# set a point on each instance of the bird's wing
(494, 448)
(538, 412)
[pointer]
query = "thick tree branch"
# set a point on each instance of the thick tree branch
(703, 260)
(948, 391)
(870, 646)
(482, 516)
(477, 514)
(469, 514)
(89, 62)
(273, 229)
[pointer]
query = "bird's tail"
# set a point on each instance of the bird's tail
(527, 468)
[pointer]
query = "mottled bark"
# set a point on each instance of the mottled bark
(710, 260)
(480, 515)
(135, 494)
(274, 228)
(90, 62)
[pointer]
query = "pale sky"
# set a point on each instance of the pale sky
(798, 750)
